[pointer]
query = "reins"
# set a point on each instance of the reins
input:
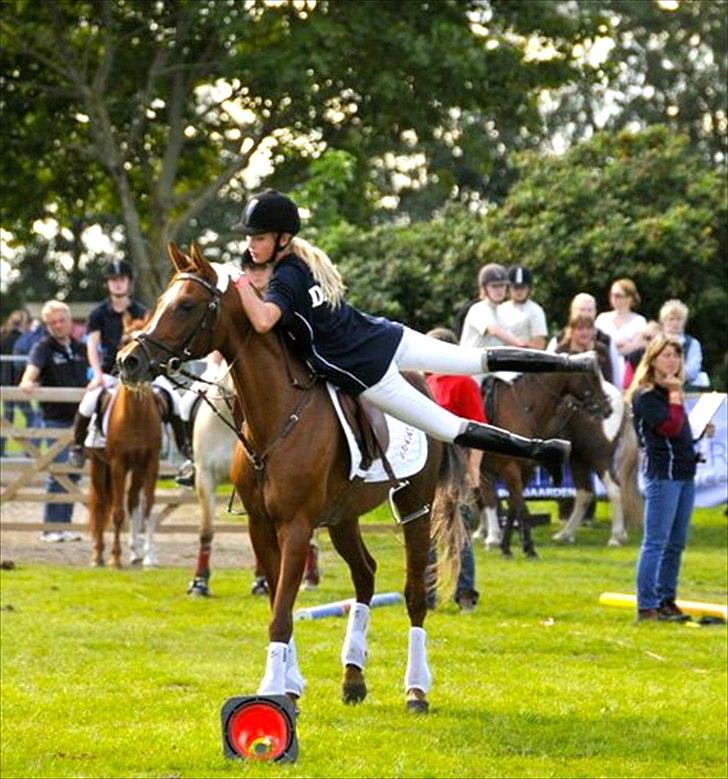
(173, 367)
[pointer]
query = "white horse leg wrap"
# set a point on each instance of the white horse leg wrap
(274, 679)
(354, 649)
(494, 536)
(418, 674)
(294, 680)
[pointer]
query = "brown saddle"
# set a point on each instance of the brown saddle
(369, 427)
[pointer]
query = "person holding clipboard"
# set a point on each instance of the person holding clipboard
(665, 434)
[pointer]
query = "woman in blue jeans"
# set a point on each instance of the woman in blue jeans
(670, 461)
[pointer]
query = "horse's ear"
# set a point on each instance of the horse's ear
(200, 262)
(179, 259)
(196, 254)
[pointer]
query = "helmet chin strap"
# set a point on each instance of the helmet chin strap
(276, 248)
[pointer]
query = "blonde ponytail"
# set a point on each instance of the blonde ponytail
(323, 269)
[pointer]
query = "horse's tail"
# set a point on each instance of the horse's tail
(99, 494)
(447, 528)
(628, 460)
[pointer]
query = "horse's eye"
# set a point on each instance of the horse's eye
(185, 306)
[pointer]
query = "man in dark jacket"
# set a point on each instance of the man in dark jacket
(58, 360)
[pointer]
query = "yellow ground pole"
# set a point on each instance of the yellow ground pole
(696, 608)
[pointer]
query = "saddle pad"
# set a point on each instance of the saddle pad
(96, 436)
(407, 451)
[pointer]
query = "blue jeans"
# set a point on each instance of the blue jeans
(58, 512)
(466, 579)
(668, 509)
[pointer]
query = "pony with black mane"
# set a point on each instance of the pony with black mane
(292, 471)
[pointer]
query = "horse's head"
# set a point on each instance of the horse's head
(183, 325)
(131, 327)
(585, 391)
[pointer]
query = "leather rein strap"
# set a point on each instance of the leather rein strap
(173, 367)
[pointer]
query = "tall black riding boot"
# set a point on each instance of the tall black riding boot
(76, 454)
(508, 358)
(186, 472)
(552, 453)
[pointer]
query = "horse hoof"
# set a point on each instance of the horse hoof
(198, 588)
(492, 543)
(150, 562)
(563, 539)
(417, 702)
(614, 542)
(133, 560)
(354, 693)
(506, 553)
(532, 554)
(97, 562)
(115, 562)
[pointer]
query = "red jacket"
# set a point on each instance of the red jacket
(458, 394)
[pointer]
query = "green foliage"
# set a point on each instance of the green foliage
(120, 674)
(669, 65)
(107, 107)
(641, 205)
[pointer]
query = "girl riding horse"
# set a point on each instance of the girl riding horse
(291, 471)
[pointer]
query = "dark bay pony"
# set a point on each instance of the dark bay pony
(124, 474)
(292, 471)
(529, 405)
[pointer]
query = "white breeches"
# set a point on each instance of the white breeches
(87, 406)
(396, 396)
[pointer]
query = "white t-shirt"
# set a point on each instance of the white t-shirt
(525, 320)
(634, 325)
(479, 318)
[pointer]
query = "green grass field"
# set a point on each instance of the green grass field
(118, 674)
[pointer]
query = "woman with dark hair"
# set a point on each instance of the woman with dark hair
(580, 336)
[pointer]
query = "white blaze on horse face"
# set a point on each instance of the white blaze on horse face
(167, 299)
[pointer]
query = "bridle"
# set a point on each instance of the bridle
(588, 402)
(173, 367)
(206, 320)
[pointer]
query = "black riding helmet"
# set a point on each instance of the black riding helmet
(520, 276)
(118, 268)
(270, 212)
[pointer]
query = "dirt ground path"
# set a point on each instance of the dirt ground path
(176, 550)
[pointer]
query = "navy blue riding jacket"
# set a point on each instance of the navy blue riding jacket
(667, 457)
(350, 349)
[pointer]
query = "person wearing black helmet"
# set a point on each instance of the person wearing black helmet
(105, 326)
(364, 355)
(521, 316)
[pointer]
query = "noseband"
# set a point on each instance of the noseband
(206, 321)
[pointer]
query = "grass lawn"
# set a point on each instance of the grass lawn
(118, 674)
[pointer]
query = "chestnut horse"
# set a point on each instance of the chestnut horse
(292, 471)
(133, 442)
(534, 405)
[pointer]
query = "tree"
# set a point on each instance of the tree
(668, 65)
(153, 114)
(642, 205)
